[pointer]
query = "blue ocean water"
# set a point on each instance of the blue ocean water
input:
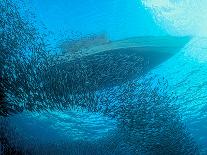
(161, 112)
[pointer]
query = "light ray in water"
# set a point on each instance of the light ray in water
(184, 17)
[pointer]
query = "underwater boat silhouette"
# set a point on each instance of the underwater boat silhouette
(116, 62)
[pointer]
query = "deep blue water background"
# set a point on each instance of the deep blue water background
(117, 18)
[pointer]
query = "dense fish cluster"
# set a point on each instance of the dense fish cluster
(29, 68)
(98, 71)
(147, 120)
(22, 51)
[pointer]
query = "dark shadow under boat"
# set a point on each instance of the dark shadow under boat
(113, 63)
